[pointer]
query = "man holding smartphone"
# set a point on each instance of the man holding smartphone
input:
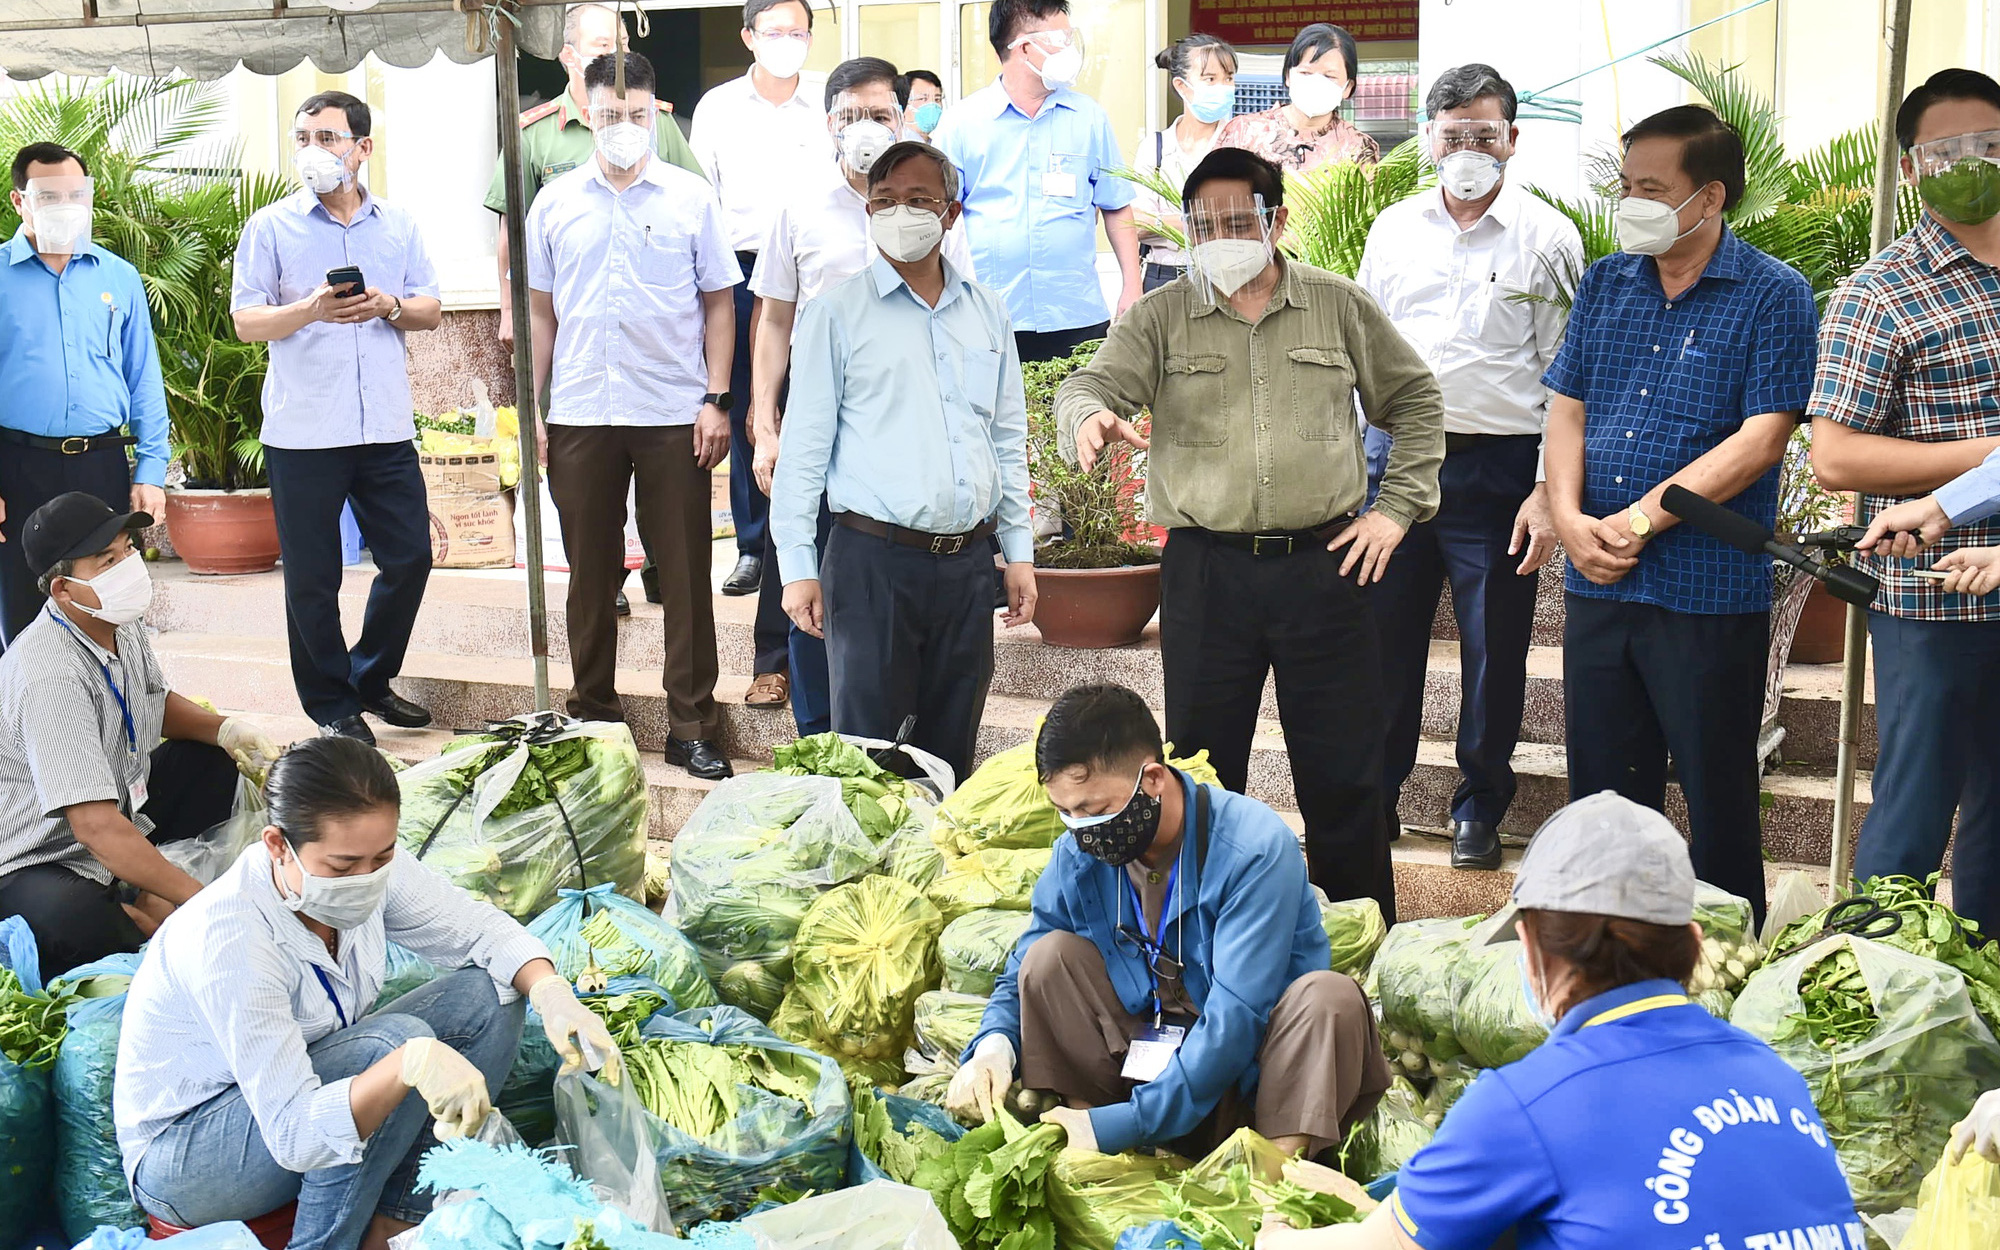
(332, 278)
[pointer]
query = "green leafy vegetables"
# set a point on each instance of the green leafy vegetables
(1926, 927)
(992, 1185)
(31, 1025)
(862, 956)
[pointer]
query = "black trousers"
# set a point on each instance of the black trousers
(1482, 485)
(29, 478)
(909, 634)
(1034, 345)
(308, 489)
(749, 509)
(1227, 619)
(75, 920)
(1641, 683)
(771, 633)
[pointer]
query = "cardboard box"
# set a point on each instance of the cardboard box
(471, 531)
(467, 474)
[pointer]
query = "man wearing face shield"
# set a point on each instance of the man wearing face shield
(1173, 983)
(1451, 269)
(1687, 361)
(818, 239)
(1250, 366)
(100, 764)
(76, 348)
(1902, 409)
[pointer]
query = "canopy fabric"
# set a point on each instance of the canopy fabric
(209, 38)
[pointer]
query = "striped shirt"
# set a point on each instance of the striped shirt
(230, 994)
(63, 737)
(1911, 349)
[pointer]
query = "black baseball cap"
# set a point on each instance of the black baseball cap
(72, 526)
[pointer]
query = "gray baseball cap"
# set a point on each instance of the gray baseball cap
(1605, 855)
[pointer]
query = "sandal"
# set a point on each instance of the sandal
(768, 690)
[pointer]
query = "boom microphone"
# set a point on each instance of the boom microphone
(1740, 532)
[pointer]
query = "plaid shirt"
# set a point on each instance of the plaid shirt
(1663, 383)
(1911, 349)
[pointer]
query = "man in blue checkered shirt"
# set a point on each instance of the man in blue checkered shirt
(1688, 359)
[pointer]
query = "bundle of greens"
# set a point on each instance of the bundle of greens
(1354, 932)
(31, 1032)
(1223, 1199)
(750, 862)
(1923, 927)
(1730, 951)
(1489, 1014)
(625, 1012)
(1388, 1139)
(946, 1023)
(930, 1088)
(975, 947)
(895, 813)
(31, 1024)
(1002, 805)
(1413, 976)
(988, 879)
(993, 1185)
(1889, 1044)
(894, 1136)
(861, 957)
(1094, 1197)
(538, 804)
(597, 934)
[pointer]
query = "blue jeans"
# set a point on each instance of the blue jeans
(1936, 683)
(212, 1165)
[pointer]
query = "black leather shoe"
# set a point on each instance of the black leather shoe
(700, 757)
(396, 710)
(746, 577)
(349, 727)
(1475, 844)
(624, 605)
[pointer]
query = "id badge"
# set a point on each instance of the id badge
(1058, 186)
(1151, 1050)
(136, 790)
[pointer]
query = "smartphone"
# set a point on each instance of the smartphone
(346, 280)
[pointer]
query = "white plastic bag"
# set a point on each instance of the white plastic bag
(1794, 898)
(612, 1147)
(208, 855)
(880, 1215)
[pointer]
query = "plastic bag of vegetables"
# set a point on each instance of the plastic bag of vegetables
(527, 1098)
(1730, 951)
(1889, 1044)
(402, 971)
(1413, 976)
(908, 853)
(974, 948)
(1401, 1126)
(31, 1032)
(861, 957)
(1002, 805)
(1917, 923)
(893, 1135)
(748, 865)
(1959, 1208)
(987, 879)
(537, 804)
(1354, 932)
(598, 933)
(1489, 1015)
(946, 1023)
(1094, 1197)
(90, 1173)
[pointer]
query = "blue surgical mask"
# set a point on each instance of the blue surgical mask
(927, 116)
(1535, 1009)
(1212, 102)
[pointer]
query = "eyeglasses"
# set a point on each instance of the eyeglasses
(1470, 136)
(1939, 155)
(1053, 40)
(885, 115)
(51, 198)
(774, 36)
(319, 138)
(883, 203)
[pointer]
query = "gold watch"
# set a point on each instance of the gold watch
(1640, 524)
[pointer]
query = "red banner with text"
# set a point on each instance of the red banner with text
(1276, 21)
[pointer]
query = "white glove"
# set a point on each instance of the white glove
(577, 1033)
(983, 1080)
(450, 1086)
(1979, 1131)
(253, 752)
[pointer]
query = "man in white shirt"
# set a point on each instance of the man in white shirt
(818, 239)
(754, 135)
(1452, 269)
(629, 274)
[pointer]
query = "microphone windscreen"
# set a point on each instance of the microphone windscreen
(1713, 519)
(1851, 585)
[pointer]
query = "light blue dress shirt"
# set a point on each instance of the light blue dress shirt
(77, 352)
(333, 385)
(1973, 495)
(902, 412)
(1032, 190)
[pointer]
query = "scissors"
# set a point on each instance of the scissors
(1863, 917)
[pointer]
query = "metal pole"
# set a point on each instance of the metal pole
(508, 83)
(1855, 662)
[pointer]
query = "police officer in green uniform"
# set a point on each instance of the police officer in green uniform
(555, 139)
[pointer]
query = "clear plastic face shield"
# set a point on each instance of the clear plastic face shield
(1468, 154)
(58, 211)
(862, 132)
(1057, 55)
(1959, 176)
(1231, 241)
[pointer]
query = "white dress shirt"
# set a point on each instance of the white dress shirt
(626, 270)
(1453, 294)
(228, 995)
(753, 151)
(820, 238)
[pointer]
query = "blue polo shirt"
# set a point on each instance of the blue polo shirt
(1032, 190)
(77, 352)
(1664, 382)
(1643, 1123)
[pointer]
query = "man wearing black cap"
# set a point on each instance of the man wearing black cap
(83, 711)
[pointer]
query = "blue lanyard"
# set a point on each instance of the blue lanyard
(124, 709)
(1153, 943)
(331, 996)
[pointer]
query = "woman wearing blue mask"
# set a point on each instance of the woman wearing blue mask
(923, 94)
(1203, 69)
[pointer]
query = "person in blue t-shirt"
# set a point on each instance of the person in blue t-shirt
(1643, 1123)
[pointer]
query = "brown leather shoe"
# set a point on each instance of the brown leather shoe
(768, 690)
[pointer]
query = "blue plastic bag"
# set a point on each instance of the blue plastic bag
(1159, 1235)
(903, 1112)
(646, 946)
(90, 1176)
(27, 1112)
(402, 971)
(19, 952)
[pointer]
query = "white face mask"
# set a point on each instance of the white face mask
(783, 58)
(1646, 227)
(62, 228)
(1062, 67)
(861, 142)
(320, 171)
(1469, 175)
(1315, 95)
(623, 144)
(341, 903)
(124, 591)
(906, 234)
(1229, 263)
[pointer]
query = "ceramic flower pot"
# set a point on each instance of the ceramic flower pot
(1095, 608)
(223, 531)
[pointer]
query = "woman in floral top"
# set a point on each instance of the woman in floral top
(1309, 131)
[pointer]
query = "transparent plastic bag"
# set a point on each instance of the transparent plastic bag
(208, 855)
(90, 1183)
(535, 805)
(862, 955)
(1958, 1208)
(403, 970)
(602, 929)
(988, 879)
(1730, 951)
(27, 1108)
(1386, 1140)
(1354, 932)
(903, 1115)
(946, 1023)
(880, 1215)
(1793, 898)
(1489, 1014)
(1413, 975)
(613, 1145)
(975, 947)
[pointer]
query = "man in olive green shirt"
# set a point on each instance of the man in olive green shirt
(1250, 365)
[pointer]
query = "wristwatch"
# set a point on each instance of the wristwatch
(396, 313)
(1640, 524)
(722, 400)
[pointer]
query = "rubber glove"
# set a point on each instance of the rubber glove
(1076, 1125)
(248, 745)
(983, 1080)
(450, 1086)
(1979, 1131)
(577, 1033)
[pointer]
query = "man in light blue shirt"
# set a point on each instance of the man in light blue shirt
(337, 425)
(907, 414)
(1907, 528)
(76, 348)
(1036, 158)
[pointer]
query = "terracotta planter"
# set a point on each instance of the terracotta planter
(223, 531)
(1096, 608)
(1822, 636)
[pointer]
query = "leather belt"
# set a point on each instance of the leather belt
(1273, 543)
(936, 544)
(1465, 442)
(74, 445)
